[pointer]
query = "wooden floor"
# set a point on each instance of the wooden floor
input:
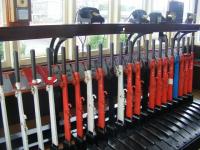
(196, 94)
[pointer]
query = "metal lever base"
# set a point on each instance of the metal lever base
(53, 147)
(68, 145)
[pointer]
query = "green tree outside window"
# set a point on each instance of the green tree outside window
(95, 40)
(1, 51)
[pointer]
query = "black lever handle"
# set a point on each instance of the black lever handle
(112, 54)
(100, 55)
(126, 46)
(178, 47)
(121, 53)
(63, 51)
(188, 44)
(49, 62)
(130, 49)
(16, 66)
(89, 56)
(183, 45)
(166, 47)
(153, 48)
(1, 73)
(160, 48)
(139, 50)
(147, 50)
(192, 44)
(33, 64)
(172, 46)
(76, 59)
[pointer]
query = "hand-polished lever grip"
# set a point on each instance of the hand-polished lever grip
(183, 45)
(76, 60)
(49, 62)
(188, 44)
(160, 48)
(112, 54)
(147, 50)
(139, 50)
(63, 52)
(16, 66)
(100, 55)
(166, 47)
(192, 44)
(130, 49)
(153, 48)
(172, 46)
(33, 64)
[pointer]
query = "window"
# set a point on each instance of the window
(38, 45)
(188, 7)
(126, 10)
(47, 12)
(1, 24)
(102, 5)
(94, 41)
(128, 7)
(160, 6)
(1, 14)
(43, 12)
(197, 35)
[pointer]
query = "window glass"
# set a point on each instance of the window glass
(38, 45)
(1, 14)
(160, 6)
(44, 12)
(128, 7)
(126, 10)
(102, 6)
(188, 7)
(1, 24)
(47, 12)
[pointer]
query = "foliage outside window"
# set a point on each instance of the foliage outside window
(95, 40)
(38, 45)
(44, 12)
(1, 50)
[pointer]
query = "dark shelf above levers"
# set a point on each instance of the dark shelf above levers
(69, 31)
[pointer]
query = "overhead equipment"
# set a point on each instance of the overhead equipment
(89, 15)
(177, 8)
(139, 16)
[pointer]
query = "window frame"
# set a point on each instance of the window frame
(43, 59)
(69, 12)
(6, 45)
(93, 51)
